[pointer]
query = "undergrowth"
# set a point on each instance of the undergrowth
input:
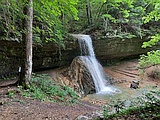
(42, 89)
(146, 107)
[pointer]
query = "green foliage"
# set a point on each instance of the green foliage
(109, 17)
(154, 14)
(10, 17)
(122, 16)
(154, 40)
(115, 17)
(43, 89)
(48, 20)
(53, 19)
(152, 58)
(11, 93)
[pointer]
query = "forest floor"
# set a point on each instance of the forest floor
(21, 108)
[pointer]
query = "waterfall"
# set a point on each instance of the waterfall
(94, 67)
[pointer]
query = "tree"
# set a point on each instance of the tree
(26, 67)
(49, 15)
(152, 57)
(28, 39)
(88, 10)
(50, 18)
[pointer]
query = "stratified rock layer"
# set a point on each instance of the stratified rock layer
(51, 55)
(119, 48)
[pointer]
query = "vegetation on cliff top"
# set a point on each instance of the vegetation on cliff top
(52, 20)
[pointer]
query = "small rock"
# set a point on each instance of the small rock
(82, 118)
(134, 84)
(93, 116)
(1, 102)
(136, 81)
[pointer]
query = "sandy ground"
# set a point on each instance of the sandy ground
(125, 72)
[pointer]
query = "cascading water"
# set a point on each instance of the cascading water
(96, 70)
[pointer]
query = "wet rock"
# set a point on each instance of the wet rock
(134, 84)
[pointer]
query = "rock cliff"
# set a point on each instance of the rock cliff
(50, 55)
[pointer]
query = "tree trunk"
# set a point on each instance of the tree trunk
(28, 39)
(25, 71)
(88, 9)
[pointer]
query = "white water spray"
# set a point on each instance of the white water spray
(96, 70)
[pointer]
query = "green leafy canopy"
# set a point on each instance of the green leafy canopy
(153, 57)
(48, 19)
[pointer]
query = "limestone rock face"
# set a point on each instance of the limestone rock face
(51, 55)
(78, 77)
(119, 48)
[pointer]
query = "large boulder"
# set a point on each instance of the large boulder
(78, 77)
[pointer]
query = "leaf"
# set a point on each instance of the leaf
(152, 58)
(109, 17)
(126, 13)
(154, 39)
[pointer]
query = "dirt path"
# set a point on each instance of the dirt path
(20, 108)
